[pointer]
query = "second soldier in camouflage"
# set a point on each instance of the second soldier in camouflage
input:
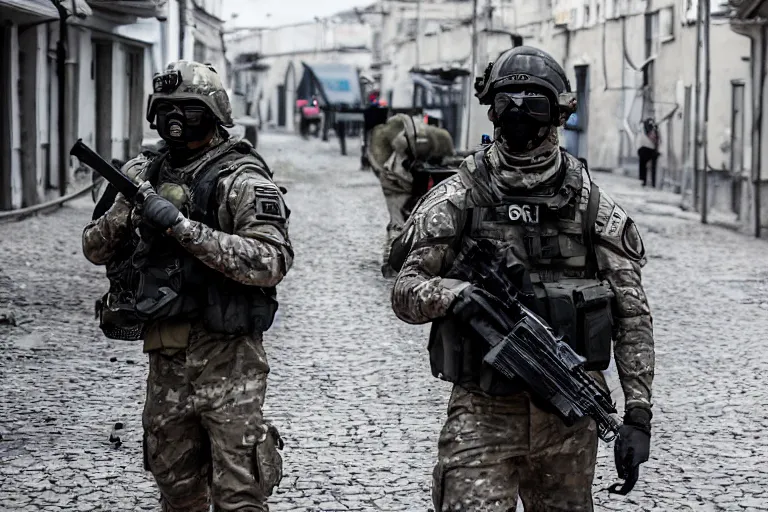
(193, 268)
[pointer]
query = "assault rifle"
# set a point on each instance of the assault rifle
(523, 346)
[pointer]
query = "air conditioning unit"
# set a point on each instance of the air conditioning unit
(562, 18)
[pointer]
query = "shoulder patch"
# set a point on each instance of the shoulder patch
(269, 203)
(616, 229)
(632, 241)
(616, 222)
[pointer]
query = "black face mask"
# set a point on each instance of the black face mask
(180, 124)
(524, 120)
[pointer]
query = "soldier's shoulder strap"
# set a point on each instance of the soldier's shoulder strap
(588, 221)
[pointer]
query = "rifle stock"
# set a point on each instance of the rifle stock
(117, 179)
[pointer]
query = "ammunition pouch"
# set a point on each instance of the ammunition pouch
(458, 358)
(239, 309)
(112, 307)
(580, 311)
(175, 285)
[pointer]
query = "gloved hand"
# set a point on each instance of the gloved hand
(467, 304)
(632, 447)
(156, 211)
(464, 307)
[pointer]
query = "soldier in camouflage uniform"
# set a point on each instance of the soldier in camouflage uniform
(528, 196)
(394, 147)
(193, 267)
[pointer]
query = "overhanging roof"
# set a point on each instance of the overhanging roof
(37, 9)
(440, 77)
(746, 9)
(137, 8)
(339, 84)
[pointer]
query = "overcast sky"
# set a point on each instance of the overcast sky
(282, 12)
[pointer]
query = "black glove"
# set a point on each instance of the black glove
(632, 448)
(464, 307)
(469, 305)
(156, 211)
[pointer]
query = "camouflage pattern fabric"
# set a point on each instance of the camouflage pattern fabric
(205, 437)
(388, 150)
(253, 247)
(396, 205)
(421, 294)
(492, 449)
(204, 427)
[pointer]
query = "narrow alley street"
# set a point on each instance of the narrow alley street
(350, 388)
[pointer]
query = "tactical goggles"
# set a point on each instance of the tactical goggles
(537, 106)
(193, 112)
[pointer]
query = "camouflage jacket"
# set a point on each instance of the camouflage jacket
(250, 247)
(422, 294)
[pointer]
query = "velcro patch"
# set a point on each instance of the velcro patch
(270, 209)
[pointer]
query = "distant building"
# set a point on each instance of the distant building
(750, 19)
(267, 62)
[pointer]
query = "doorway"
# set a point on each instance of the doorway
(135, 63)
(576, 126)
(281, 105)
(737, 142)
(102, 70)
(6, 202)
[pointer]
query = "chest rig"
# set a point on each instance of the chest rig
(551, 230)
(153, 278)
(551, 233)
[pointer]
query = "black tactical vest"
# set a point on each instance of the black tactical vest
(154, 278)
(548, 232)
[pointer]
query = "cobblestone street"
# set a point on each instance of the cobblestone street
(350, 387)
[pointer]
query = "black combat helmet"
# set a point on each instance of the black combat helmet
(525, 65)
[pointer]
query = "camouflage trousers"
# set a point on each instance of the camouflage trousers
(205, 440)
(397, 203)
(492, 449)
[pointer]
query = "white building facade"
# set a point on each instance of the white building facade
(627, 60)
(112, 50)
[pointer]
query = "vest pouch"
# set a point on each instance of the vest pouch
(595, 323)
(558, 309)
(164, 288)
(457, 358)
(446, 350)
(116, 322)
(238, 311)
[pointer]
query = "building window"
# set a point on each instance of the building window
(615, 6)
(652, 41)
(667, 24)
(198, 53)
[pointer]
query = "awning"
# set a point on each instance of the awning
(339, 84)
(443, 78)
(45, 9)
(138, 8)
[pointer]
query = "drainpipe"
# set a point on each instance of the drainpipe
(704, 135)
(61, 72)
(697, 110)
(473, 66)
(758, 122)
